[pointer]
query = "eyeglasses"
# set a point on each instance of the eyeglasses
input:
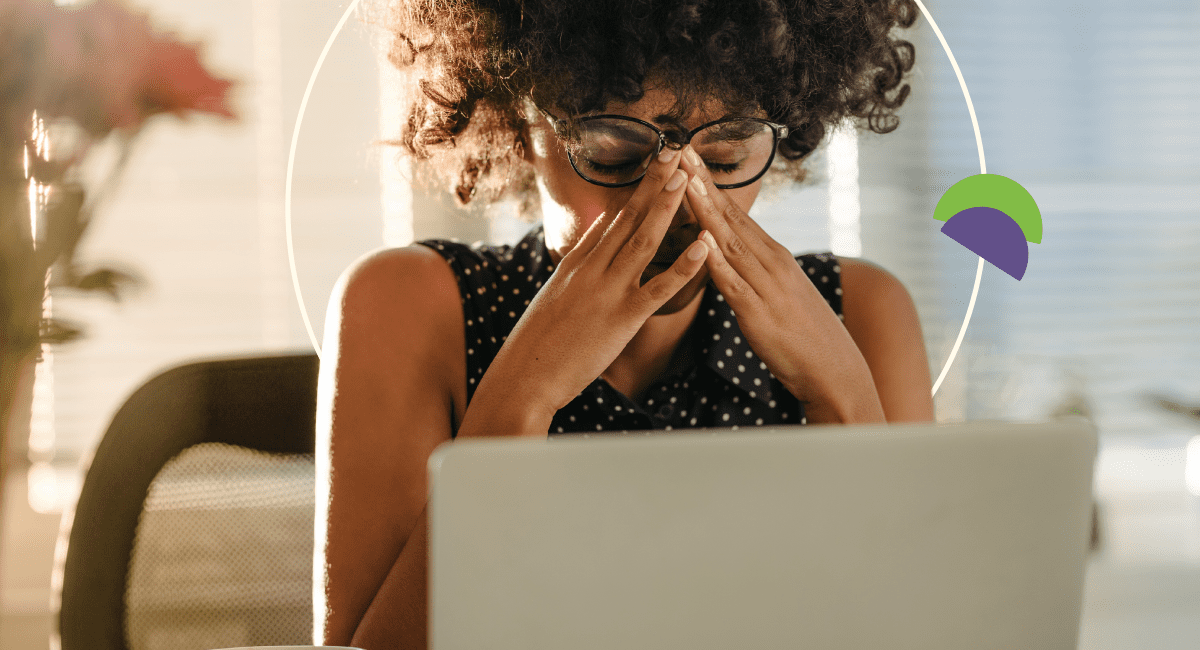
(616, 150)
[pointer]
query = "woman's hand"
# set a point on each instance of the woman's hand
(786, 321)
(589, 310)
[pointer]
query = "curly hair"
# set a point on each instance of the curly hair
(809, 64)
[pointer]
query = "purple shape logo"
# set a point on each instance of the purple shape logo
(993, 217)
(992, 235)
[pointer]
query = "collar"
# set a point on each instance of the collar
(728, 353)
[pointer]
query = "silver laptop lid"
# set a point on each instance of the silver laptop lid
(964, 536)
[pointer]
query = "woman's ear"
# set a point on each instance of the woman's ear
(524, 138)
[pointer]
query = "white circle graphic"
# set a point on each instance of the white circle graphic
(962, 331)
(312, 79)
(291, 163)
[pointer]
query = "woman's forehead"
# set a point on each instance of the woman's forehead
(662, 106)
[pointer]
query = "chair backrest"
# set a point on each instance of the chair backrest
(197, 510)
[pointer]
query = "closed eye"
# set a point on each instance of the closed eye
(723, 168)
(612, 168)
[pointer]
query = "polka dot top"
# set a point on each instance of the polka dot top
(726, 386)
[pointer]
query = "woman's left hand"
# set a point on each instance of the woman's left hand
(786, 321)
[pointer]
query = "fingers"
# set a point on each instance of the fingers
(642, 244)
(660, 172)
(659, 289)
(729, 282)
(743, 242)
(647, 196)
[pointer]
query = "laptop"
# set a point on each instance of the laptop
(912, 536)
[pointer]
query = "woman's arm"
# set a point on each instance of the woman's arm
(881, 318)
(868, 368)
(392, 382)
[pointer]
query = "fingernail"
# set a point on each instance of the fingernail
(667, 154)
(677, 179)
(696, 252)
(694, 157)
(708, 239)
(698, 185)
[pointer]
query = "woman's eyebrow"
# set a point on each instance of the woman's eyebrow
(672, 121)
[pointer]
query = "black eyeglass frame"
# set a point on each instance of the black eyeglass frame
(562, 129)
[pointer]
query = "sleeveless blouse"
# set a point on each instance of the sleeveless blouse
(727, 385)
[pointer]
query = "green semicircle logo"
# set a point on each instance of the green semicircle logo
(993, 191)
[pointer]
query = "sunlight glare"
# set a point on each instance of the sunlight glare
(844, 208)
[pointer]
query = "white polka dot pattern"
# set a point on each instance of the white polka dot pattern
(740, 392)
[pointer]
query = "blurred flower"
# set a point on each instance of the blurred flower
(97, 69)
(100, 64)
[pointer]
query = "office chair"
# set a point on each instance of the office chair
(194, 527)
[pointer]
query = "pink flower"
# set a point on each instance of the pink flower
(176, 81)
(103, 65)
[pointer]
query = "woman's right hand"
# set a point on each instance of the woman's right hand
(588, 311)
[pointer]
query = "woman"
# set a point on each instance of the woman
(648, 298)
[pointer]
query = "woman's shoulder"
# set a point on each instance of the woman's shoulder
(414, 272)
(882, 319)
(397, 296)
(856, 280)
(863, 294)
(870, 286)
(875, 304)
(427, 283)
(395, 326)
